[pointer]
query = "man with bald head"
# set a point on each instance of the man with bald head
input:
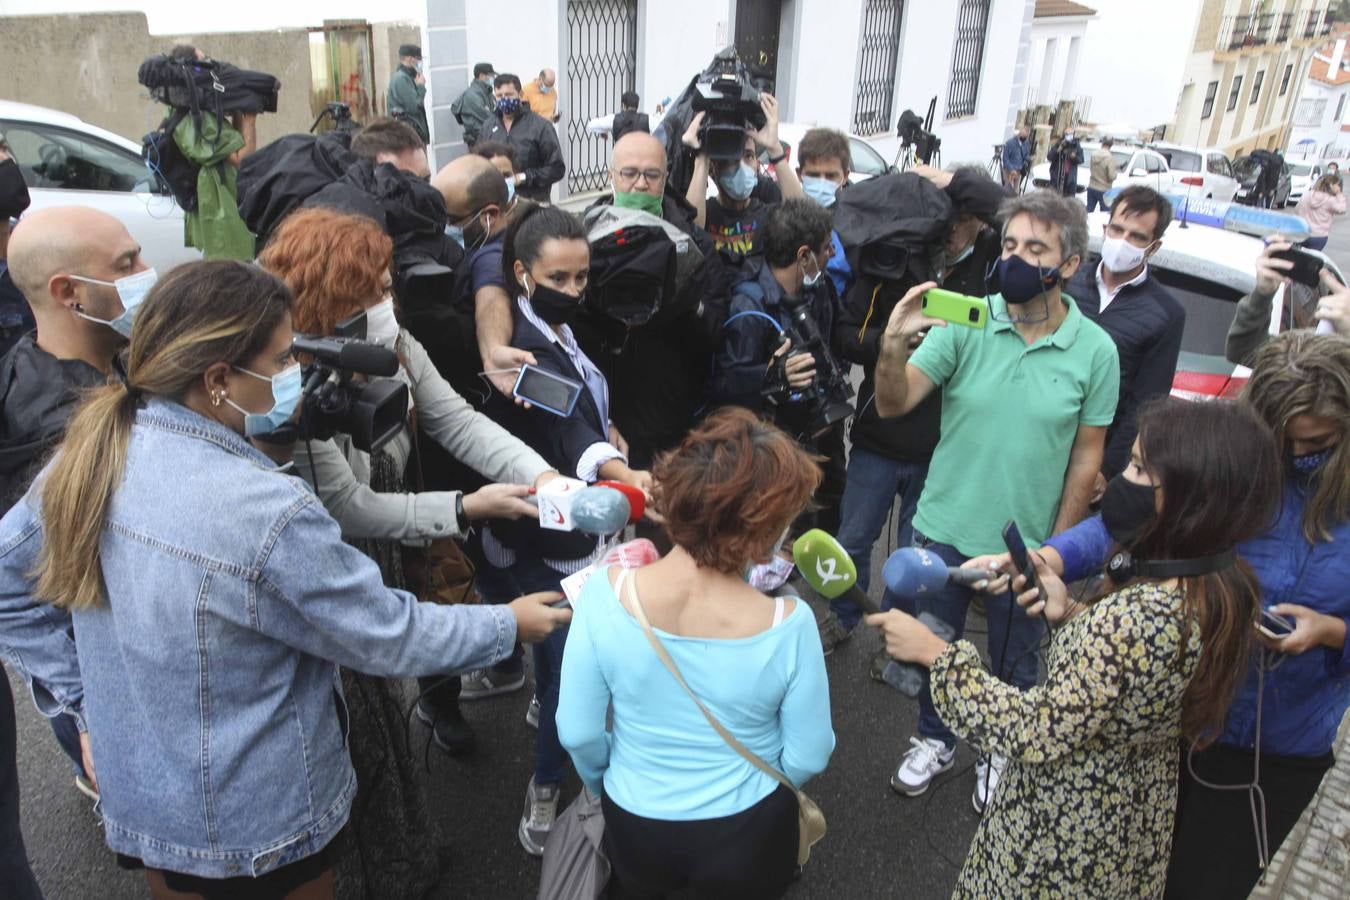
(82, 275)
(542, 95)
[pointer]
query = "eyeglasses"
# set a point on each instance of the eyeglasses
(652, 176)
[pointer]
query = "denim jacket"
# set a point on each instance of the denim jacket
(208, 680)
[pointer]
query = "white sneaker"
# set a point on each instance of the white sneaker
(532, 713)
(541, 809)
(988, 773)
(926, 757)
(480, 684)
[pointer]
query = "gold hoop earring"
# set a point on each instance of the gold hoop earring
(217, 397)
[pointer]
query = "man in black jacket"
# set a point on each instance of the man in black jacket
(81, 272)
(628, 118)
(890, 457)
(539, 161)
(1116, 291)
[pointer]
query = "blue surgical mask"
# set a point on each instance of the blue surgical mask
(545, 88)
(1308, 463)
(738, 182)
(510, 190)
(961, 257)
(456, 234)
(286, 388)
(810, 281)
(822, 190)
(131, 290)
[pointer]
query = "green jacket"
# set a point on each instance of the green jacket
(406, 94)
(214, 227)
(474, 107)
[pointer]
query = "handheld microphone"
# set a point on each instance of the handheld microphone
(911, 571)
(637, 501)
(829, 570)
(566, 504)
(631, 555)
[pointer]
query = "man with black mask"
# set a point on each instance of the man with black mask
(1026, 404)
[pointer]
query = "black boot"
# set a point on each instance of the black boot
(439, 710)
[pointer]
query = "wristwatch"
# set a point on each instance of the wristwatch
(460, 518)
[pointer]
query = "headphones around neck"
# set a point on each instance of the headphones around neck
(1124, 567)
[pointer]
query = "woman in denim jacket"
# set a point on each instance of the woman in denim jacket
(210, 598)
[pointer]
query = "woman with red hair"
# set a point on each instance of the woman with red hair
(337, 266)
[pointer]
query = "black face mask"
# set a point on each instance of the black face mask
(1127, 509)
(13, 192)
(555, 307)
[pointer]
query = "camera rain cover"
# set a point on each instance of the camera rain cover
(637, 261)
(892, 225)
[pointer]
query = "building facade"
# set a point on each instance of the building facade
(1244, 74)
(1058, 35)
(1322, 110)
(848, 64)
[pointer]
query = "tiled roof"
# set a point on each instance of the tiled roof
(1049, 9)
(1319, 71)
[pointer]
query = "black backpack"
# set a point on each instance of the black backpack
(161, 154)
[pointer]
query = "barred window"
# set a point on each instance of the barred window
(1210, 93)
(1284, 83)
(878, 56)
(972, 20)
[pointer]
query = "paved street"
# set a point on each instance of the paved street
(879, 844)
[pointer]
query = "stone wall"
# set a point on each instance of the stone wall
(86, 65)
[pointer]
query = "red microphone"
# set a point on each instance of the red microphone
(637, 501)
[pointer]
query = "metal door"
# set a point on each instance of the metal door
(878, 56)
(757, 36)
(601, 65)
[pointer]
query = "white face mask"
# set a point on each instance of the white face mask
(381, 326)
(1119, 255)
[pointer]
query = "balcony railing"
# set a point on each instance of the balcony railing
(1312, 26)
(1285, 26)
(1262, 27)
(1236, 33)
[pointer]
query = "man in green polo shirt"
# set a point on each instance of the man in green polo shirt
(1026, 402)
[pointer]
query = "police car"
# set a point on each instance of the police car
(1208, 262)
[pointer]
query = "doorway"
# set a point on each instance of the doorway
(757, 25)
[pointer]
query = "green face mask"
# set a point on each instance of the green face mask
(634, 200)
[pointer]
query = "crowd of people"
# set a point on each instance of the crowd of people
(219, 606)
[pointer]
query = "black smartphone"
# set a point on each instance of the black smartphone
(1307, 266)
(1012, 539)
(1274, 626)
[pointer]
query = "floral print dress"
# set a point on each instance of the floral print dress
(1085, 806)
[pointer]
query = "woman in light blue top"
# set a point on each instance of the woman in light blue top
(684, 812)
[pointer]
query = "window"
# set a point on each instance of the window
(1210, 93)
(1310, 111)
(1153, 165)
(865, 160)
(53, 157)
(1256, 87)
(1340, 108)
(1218, 165)
(1284, 82)
(972, 20)
(1182, 160)
(1234, 93)
(878, 56)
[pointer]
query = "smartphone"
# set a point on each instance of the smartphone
(1307, 266)
(959, 309)
(547, 390)
(1274, 626)
(1012, 539)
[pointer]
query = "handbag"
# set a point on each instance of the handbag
(441, 572)
(575, 866)
(810, 820)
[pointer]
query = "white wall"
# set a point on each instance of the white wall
(821, 83)
(1327, 132)
(1046, 81)
(1133, 59)
(520, 37)
(177, 16)
(925, 71)
(678, 41)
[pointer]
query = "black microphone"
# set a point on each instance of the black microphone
(349, 354)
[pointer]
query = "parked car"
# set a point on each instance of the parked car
(1248, 170)
(1302, 176)
(1136, 165)
(1208, 269)
(67, 162)
(1202, 172)
(866, 163)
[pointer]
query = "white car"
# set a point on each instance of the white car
(67, 162)
(867, 162)
(1209, 264)
(1205, 173)
(1135, 165)
(1302, 176)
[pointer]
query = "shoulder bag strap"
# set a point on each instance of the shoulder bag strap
(641, 615)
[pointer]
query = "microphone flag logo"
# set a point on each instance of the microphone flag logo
(825, 570)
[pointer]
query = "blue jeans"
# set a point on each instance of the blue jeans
(950, 605)
(873, 480)
(15, 874)
(68, 736)
(1095, 199)
(530, 576)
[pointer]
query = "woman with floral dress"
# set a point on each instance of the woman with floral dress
(1086, 804)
